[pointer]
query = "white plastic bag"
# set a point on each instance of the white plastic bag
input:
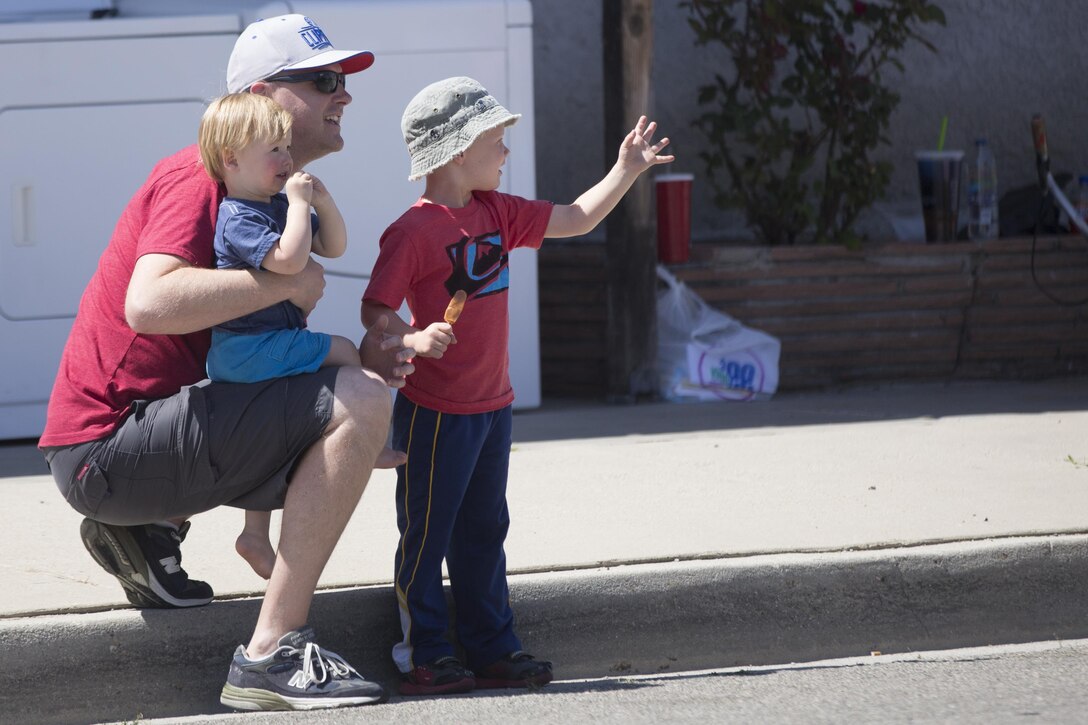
(704, 354)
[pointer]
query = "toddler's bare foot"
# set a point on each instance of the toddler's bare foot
(389, 458)
(258, 551)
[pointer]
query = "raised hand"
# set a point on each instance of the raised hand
(638, 151)
(320, 192)
(299, 187)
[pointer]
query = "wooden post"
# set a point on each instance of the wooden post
(631, 249)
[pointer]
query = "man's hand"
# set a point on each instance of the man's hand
(386, 354)
(309, 285)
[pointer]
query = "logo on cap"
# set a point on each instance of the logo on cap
(314, 36)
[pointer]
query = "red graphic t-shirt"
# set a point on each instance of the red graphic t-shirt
(431, 252)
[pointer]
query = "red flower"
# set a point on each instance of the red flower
(860, 8)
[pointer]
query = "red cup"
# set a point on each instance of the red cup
(673, 217)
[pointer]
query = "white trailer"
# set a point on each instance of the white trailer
(96, 92)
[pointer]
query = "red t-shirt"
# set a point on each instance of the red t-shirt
(106, 366)
(431, 252)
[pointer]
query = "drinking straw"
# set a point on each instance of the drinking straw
(944, 130)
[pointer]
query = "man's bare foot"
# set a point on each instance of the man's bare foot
(258, 551)
(389, 458)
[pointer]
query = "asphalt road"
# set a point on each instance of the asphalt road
(1037, 682)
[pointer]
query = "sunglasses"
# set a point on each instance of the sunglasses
(326, 81)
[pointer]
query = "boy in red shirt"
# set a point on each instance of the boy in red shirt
(453, 417)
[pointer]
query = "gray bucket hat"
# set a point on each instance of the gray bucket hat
(445, 118)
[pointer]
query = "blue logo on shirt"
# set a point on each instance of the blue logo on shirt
(480, 267)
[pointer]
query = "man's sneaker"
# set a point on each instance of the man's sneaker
(517, 669)
(444, 676)
(147, 562)
(299, 675)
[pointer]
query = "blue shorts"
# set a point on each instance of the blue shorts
(240, 358)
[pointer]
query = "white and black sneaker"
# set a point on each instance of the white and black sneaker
(147, 561)
(299, 675)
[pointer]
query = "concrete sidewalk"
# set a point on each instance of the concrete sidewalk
(950, 509)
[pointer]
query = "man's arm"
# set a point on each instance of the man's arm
(169, 296)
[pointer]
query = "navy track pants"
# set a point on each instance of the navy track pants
(451, 504)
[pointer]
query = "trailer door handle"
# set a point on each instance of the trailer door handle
(21, 198)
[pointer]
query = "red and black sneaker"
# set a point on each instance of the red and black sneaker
(517, 669)
(444, 676)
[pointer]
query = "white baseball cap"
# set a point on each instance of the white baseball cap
(286, 42)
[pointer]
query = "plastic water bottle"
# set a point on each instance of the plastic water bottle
(982, 193)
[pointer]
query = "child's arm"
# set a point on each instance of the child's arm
(429, 342)
(637, 153)
(331, 239)
(291, 253)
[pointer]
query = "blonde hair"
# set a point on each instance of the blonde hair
(234, 121)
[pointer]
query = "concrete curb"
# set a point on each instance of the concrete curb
(641, 618)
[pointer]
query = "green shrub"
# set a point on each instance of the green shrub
(794, 123)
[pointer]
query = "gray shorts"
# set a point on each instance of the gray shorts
(212, 444)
